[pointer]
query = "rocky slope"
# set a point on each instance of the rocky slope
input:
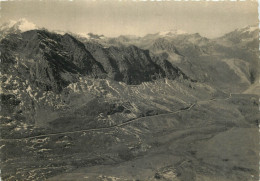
(131, 64)
(49, 60)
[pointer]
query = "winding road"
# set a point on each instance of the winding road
(117, 125)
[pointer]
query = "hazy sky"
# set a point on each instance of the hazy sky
(113, 18)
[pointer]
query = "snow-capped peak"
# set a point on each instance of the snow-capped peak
(252, 28)
(22, 25)
(60, 32)
(84, 35)
(172, 32)
(249, 29)
(90, 36)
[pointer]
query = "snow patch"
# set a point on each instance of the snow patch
(84, 35)
(44, 149)
(252, 28)
(25, 25)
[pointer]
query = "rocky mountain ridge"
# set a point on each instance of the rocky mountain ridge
(58, 59)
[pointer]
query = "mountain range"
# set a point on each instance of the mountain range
(165, 106)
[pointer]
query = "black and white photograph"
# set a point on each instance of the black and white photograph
(122, 90)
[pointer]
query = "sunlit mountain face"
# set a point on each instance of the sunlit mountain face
(165, 106)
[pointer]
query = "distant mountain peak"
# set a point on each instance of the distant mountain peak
(248, 33)
(83, 35)
(90, 36)
(250, 28)
(172, 32)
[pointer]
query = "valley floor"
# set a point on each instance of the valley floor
(210, 140)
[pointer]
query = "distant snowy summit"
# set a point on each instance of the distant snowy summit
(90, 35)
(172, 32)
(247, 33)
(249, 29)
